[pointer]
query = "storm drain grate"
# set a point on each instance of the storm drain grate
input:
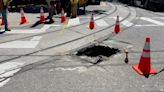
(97, 50)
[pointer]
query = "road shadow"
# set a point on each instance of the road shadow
(36, 24)
(47, 21)
(148, 75)
(99, 12)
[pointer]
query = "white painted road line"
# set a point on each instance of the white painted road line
(126, 22)
(31, 31)
(4, 82)
(112, 18)
(101, 23)
(152, 21)
(9, 65)
(45, 27)
(24, 31)
(96, 17)
(76, 21)
(103, 4)
(6, 77)
(21, 44)
(148, 25)
(88, 17)
(159, 17)
(36, 38)
(4, 74)
(73, 22)
(10, 73)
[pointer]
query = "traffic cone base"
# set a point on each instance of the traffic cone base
(2, 22)
(23, 20)
(91, 26)
(117, 29)
(42, 18)
(63, 19)
(152, 70)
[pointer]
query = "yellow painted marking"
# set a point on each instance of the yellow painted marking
(64, 26)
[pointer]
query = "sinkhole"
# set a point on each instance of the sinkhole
(97, 50)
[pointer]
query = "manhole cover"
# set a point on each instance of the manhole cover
(97, 50)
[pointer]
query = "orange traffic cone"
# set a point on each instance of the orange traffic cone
(91, 25)
(66, 21)
(42, 18)
(117, 26)
(63, 18)
(23, 18)
(144, 66)
(2, 22)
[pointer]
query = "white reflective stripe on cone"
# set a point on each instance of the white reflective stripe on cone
(146, 54)
(147, 46)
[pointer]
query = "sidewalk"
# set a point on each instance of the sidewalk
(14, 18)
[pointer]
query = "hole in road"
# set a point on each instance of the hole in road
(97, 50)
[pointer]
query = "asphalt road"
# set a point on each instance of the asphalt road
(70, 73)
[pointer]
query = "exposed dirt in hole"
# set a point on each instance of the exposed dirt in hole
(97, 50)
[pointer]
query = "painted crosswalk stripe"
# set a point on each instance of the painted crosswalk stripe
(9, 73)
(148, 25)
(19, 44)
(22, 44)
(23, 31)
(126, 22)
(96, 17)
(103, 4)
(9, 65)
(123, 22)
(31, 31)
(36, 38)
(4, 82)
(159, 17)
(45, 27)
(4, 73)
(152, 21)
(101, 23)
(73, 22)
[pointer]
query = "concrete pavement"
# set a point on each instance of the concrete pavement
(14, 46)
(56, 72)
